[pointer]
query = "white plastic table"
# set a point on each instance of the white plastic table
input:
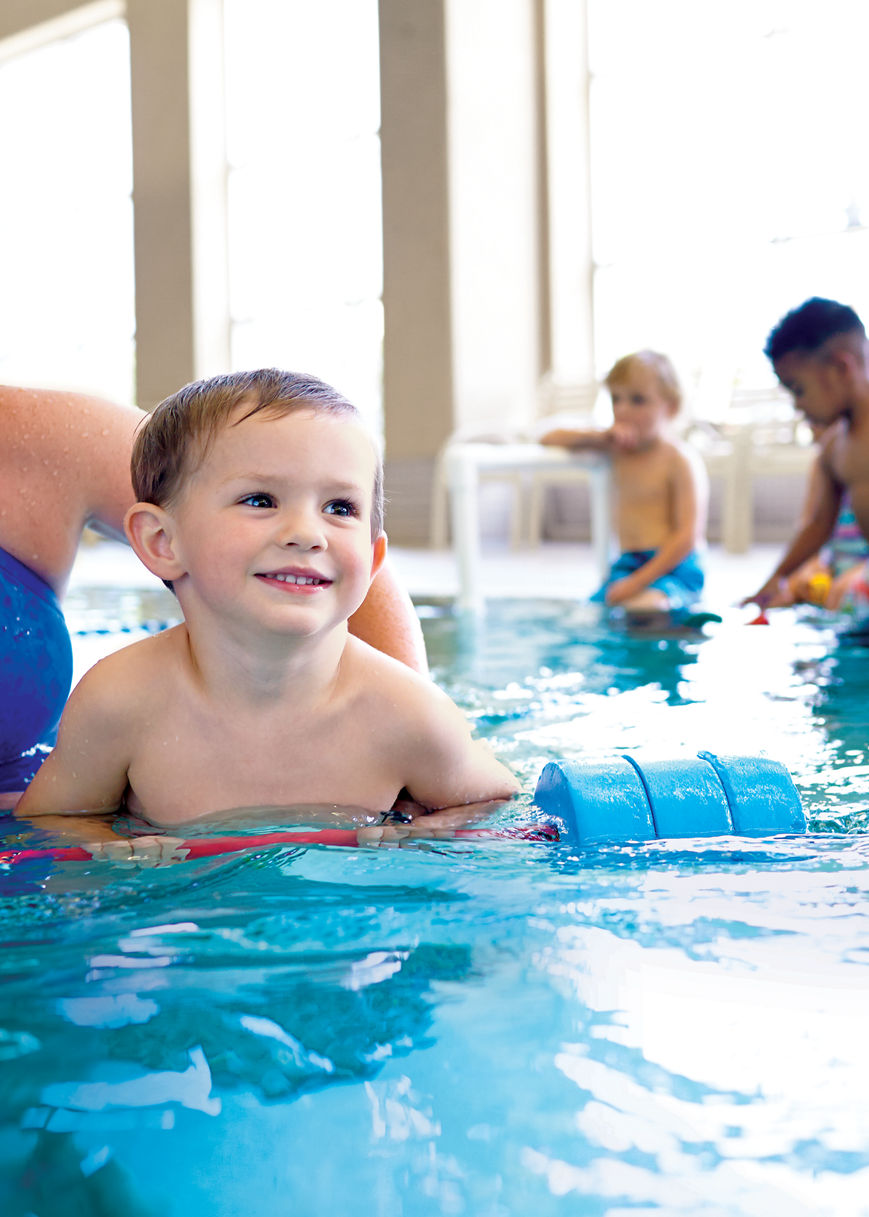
(463, 464)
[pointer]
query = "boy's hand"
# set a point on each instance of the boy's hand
(622, 436)
(623, 589)
(144, 851)
(396, 835)
(851, 582)
(771, 590)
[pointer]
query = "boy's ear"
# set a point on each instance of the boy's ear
(150, 532)
(842, 360)
(378, 556)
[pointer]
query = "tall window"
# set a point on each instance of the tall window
(66, 218)
(729, 179)
(303, 115)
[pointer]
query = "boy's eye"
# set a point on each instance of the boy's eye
(341, 507)
(258, 499)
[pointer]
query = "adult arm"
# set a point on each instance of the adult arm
(387, 621)
(64, 464)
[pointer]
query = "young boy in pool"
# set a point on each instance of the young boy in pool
(65, 465)
(821, 356)
(660, 489)
(260, 504)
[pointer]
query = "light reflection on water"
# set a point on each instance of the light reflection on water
(492, 1029)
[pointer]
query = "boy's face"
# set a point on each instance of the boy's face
(640, 406)
(818, 384)
(274, 528)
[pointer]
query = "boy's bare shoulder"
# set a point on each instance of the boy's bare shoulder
(379, 675)
(683, 456)
(406, 700)
(122, 681)
(837, 440)
(430, 739)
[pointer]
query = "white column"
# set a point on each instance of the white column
(567, 94)
(461, 210)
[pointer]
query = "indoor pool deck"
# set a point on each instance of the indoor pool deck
(551, 570)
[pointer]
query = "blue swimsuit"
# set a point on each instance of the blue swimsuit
(35, 671)
(682, 585)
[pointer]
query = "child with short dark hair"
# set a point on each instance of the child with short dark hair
(821, 356)
(660, 488)
(261, 505)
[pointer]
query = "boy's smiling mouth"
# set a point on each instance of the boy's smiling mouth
(295, 578)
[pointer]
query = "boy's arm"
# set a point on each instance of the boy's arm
(577, 441)
(87, 771)
(820, 514)
(690, 490)
(445, 766)
(617, 437)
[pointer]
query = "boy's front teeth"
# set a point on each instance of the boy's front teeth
(295, 579)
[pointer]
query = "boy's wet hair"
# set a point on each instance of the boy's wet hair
(173, 441)
(659, 365)
(809, 326)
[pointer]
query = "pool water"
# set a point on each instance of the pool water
(491, 1029)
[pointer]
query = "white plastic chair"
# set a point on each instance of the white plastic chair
(519, 459)
(764, 438)
(516, 458)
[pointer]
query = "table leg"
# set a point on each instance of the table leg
(463, 483)
(600, 503)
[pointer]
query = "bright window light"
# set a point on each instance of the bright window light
(66, 215)
(728, 178)
(303, 116)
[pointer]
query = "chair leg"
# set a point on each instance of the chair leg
(737, 509)
(536, 506)
(439, 508)
(517, 512)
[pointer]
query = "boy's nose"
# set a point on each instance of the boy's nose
(304, 529)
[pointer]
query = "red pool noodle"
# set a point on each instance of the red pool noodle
(206, 847)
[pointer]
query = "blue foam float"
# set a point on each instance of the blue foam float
(633, 798)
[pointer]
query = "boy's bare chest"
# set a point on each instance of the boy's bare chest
(642, 478)
(199, 761)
